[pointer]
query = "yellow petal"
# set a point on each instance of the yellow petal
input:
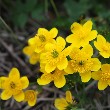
(6, 94)
(96, 75)
(60, 43)
(86, 48)
(88, 25)
(92, 35)
(105, 67)
(75, 27)
(100, 42)
(49, 47)
(69, 97)
(69, 68)
(102, 85)
(31, 103)
(96, 64)
(34, 58)
(85, 77)
(43, 31)
(14, 73)
(2, 80)
(53, 32)
(24, 81)
(33, 40)
(62, 64)
(60, 81)
(50, 67)
(61, 104)
(105, 54)
(19, 97)
(45, 79)
(71, 39)
(27, 50)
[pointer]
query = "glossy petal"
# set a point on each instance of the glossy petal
(61, 104)
(31, 103)
(102, 85)
(32, 41)
(92, 35)
(6, 94)
(19, 97)
(105, 54)
(14, 73)
(45, 79)
(28, 50)
(62, 64)
(75, 27)
(49, 47)
(50, 67)
(85, 77)
(86, 48)
(53, 32)
(96, 64)
(105, 67)
(43, 31)
(60, 43)
(60, 82)
(70, 38)
(96, 75)
(2, 80)
(69, 69)
(69, 97)
(88, 25)
(34, 58)
(25, 82)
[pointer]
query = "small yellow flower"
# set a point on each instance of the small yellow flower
(103, 76)
(83, 63)
(55, 55)
(43, 37)
(82, 34)
(63, 103)
(31, 97)
(56, 76)
(13, 85)
(30, 51)
(103, 46)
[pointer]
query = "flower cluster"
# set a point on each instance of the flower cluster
(52, 53)
(13, 86)
(59, 57)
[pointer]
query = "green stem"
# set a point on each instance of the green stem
(54, 7)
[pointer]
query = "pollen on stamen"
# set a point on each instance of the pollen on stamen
(42, 38)
(54, 54)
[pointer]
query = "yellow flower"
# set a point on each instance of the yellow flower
(103, 46)
(82, 34)
(63, 103)
(30, 51)
(31, 97)
(43, 37)
(13, 85)
(56, 76)
(55, 55)
(103, 76)
(83, 63)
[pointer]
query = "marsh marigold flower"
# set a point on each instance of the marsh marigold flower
(31, 97)
(30, 51)
(57, 76)
(103, 76)
(82, 34)
(103, 46)
(64, 103)
(55, 55)
(82, 62)
(13, 85)
(43, 37)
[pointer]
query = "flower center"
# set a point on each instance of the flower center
(54, 54)
(105, 76)
(42, 38)
(81, 63)
(12, 85)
